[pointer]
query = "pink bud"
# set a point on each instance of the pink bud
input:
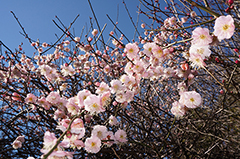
(111, 33)
(236, 50)
(185, 66)
(230, 2)
(89, 39)
(94, 32)
(221, 91)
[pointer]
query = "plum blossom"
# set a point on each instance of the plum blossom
(110, 139)
(99, 131)
(72, 106)
(197, 61)
(77, 127)
(112, 120)
(67, 70)
(93, 104)
(116, 86)
(105, 97)
(158, 52)
(43, 102)
(172, 21)
(102, 88)
(121, 136)
(203, 51)
(94, 32)
(148, 48)
(132, 51)
(224, 27)
(201, 36)
(81, 96)
(178, 109)
(93, 144)
(17, 144)
(31, 98)
(49, 140)
(191, 99)
(53, 98)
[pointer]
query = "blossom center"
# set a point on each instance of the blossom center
(225, 27)
(192, 99)
(94, 105)
(202, 37)
(93, 144)
(200, 51)
(131, 50)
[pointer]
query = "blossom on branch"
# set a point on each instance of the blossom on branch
(93, 144)
(191, 99)
(201, 36)
(224, 27)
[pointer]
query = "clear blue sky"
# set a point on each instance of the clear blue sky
(36, 17)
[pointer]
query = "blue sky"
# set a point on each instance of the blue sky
(36, 16)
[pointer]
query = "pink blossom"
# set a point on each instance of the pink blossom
(61, 104)
(197, 61)
(178, 109)
(20, 138)
(110, 139)
(99, 131)
(193, 14)
(81, 96)
(93, 104)
(43, 102)
(59, 154)
(168, 72)
(53, 98)
(129, 68)
(184, 19)
(182, 86)
(116, 86)
(201, 36)
(139, 67)
(31, 98)
(148, 48)
(102, 88)
(121, 136)
(158, 52)
(78, 143)
(93, 144)
(203, 51)
(121, 97)
(77, 127)
(72, 106)
(124, 79)
(67, 70)
(190, 99)
(59, 114)
(94, 32)
(107, 69)
(77, 39)
(172, 21)
(224, 27)
(132, 51)
(113, 120)
(17, 144)
(105, 97)
(49, 140)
